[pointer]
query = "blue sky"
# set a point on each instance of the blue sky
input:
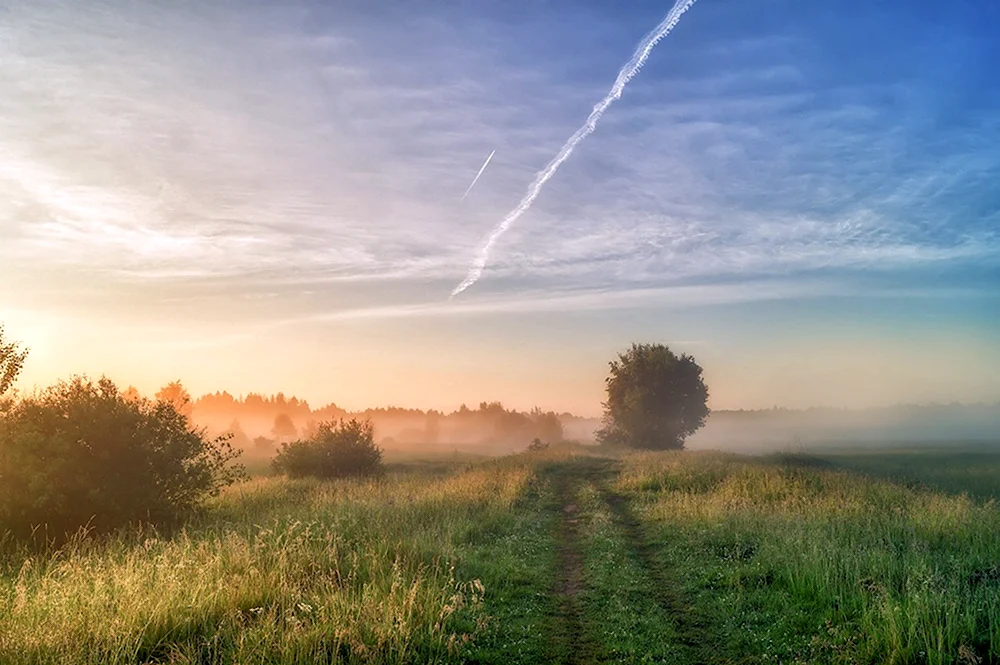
(187, 184)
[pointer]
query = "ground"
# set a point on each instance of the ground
(560, 556)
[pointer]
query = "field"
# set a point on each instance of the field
(560, 556)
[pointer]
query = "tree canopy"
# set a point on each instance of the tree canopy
(655, 399)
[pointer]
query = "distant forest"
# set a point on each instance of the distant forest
(260, 422)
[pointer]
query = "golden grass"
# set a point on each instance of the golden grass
(289, 571)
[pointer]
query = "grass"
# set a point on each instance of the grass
(812, 563)
(622, 611)
(971, 470)
(281, 571)
(559, 556)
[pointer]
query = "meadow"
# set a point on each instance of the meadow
(564, 555)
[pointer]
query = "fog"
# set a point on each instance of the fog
(810, 429)
(489, 428)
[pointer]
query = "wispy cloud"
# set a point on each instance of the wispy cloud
(310, 151)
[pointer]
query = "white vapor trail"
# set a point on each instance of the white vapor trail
(627, 72)
(476, 179)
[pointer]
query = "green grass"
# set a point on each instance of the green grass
(972, 470)
(814, 564)
(560, 556)
(621, 608)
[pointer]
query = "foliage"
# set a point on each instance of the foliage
(177, 396)
(283, 427)
(131, 394)
(237, 437)
(547, 425)
(264, 446)
(11, 362)
(655, 399)
(537, 445)
(82, 454)
(338, 449)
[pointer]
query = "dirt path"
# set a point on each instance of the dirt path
(570, 643)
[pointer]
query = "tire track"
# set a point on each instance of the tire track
(693, 629)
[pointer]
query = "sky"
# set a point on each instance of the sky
(264, 196)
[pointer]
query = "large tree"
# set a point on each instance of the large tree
(656, 399)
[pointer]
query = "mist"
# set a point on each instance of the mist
(489, 428)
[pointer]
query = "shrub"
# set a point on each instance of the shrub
(83, 454)
(338, 449)
(537, 445)
(264, 446)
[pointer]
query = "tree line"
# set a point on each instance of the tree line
(84, 454)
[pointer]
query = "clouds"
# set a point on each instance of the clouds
(188, 185)
(311, 147)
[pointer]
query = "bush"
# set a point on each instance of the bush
(537, 445)
(338, 449)
(83, 454)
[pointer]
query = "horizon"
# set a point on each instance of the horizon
(321, 404)
(273, 200)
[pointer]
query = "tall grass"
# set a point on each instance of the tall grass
(280, 571)
(786, 560)
(866, 568)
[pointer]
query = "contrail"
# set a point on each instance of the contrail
(625, 75)
(476, 179)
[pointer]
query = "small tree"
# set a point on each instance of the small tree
(80, 453)
(177, 396)
(432, 426)
(337, 450)
(547, 425)
(264, 446)
(310, 429)
(11, 362)
(131, 394)
(655, 399)
(238, 439)
(283, 428)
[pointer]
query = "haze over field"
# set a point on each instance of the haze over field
(801, 196)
